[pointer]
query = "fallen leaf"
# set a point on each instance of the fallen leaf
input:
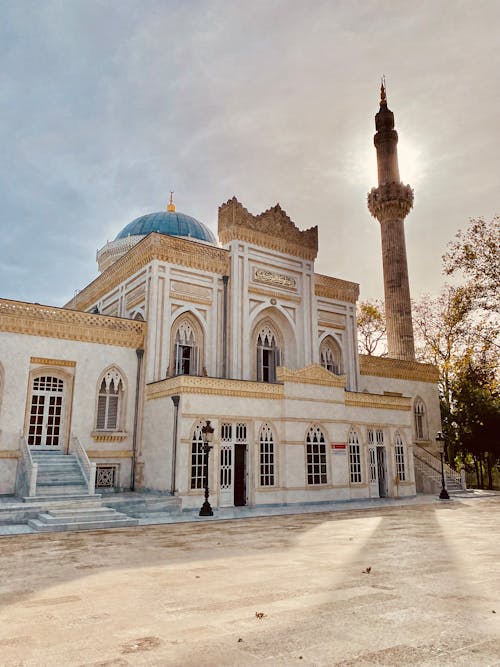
(260, 614)
(240, 639)
(367, 570)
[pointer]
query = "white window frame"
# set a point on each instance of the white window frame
(355, 471)
(316, 457)
(197, 463)
(399, 454)
(111, 386)
(267, 457)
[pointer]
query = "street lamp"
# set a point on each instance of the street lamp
(208, 434)
(440, 446)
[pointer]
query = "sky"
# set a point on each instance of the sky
(107, 105)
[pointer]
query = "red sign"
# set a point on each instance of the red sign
(338, 445)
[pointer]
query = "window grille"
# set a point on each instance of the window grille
(316, 456)
(354, 458)
(266, 456)
(197, 459)
(241, 432)
(106, 476)
(400, 458)
(379, 437)
(226, 432)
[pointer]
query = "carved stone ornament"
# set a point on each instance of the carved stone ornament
(313, 374)
(271, 278)
(390, 201)
(272, 229)
(400, 369)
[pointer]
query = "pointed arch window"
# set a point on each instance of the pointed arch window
(420, 422)
(267, 456)
(268, 355)
(316, 456)
(331, 356)
(186, 350)
(110, 402)
(354, 458)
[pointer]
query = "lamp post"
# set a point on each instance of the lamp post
(440, 445)
(208, 434)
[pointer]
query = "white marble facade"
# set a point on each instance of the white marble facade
(243, 333)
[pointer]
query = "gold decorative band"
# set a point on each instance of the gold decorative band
(52, 362)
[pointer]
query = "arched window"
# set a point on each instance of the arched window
(354, 458)
(110, 402)
(420, 422)
(268, 354)
(46, 412)
(331, 356)
(316, 456)
(187, 341)
(266, 456)
(197, 458)
(399, 452)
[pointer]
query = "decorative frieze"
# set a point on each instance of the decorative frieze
(335, 288)
(48, 321)
(190, 384)
(398, 369)
(379, 401)
(171, 249)
(52, 362)
(313, 374)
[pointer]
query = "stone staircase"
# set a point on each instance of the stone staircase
(62, 488)
(428, 473)
(59, 474)
(90, 517)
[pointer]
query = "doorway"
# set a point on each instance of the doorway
(46, 409)
(240, 487)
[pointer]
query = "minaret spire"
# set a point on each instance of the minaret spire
(390, 203)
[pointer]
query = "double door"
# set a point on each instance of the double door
(46, 411)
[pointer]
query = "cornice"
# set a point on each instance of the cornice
(313, 374)
(380, 401)
(271, 229)
(335, 288)
(48, 321)
(171, 249)
(190, 384)
(283, 296)
(397, 369)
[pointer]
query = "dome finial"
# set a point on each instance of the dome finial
(171, 205)
(383, 96)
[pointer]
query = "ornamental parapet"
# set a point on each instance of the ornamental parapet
(271, 229)
(397, 369)
(378, 401)
(390, 201)
(335, 288)
(313, 374)
(192, 384)
(48, 321)
(171, 249)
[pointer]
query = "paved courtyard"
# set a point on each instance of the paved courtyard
(279, 590)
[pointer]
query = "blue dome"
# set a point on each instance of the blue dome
(168, 222)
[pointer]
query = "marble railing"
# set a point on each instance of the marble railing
(88, 468)
(27, 471)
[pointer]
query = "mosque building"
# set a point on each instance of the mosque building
(113, 391)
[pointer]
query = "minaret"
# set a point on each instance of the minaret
(390, 203)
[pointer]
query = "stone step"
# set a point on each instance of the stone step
(69, 499)
(54, 517)
(42, 527)
(61, 490)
